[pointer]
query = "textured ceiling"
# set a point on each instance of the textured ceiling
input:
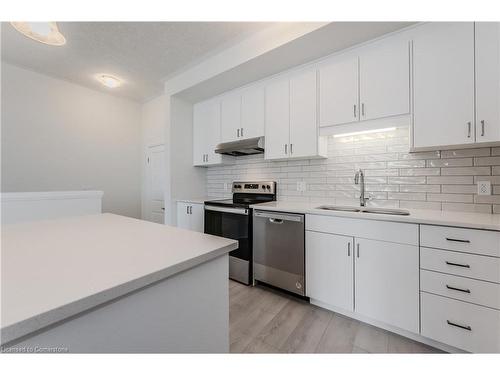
(142, 53)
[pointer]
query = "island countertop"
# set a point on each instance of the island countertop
(55, 269)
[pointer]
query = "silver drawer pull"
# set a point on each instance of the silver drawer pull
(457, 264)
(457, 240)
(275, 221)
(458, 289)
(468, 328)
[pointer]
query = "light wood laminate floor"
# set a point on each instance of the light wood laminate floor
(263, 320)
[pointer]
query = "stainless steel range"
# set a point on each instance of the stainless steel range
(232, 218)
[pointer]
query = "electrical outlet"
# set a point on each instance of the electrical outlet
(301, 186)
(484, 187)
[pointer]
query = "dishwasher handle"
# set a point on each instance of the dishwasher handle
(279, 218)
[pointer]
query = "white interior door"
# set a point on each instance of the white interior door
(487, 81)
(155, 200)
(303, 109)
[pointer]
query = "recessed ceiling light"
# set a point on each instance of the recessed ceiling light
(109, 81)
(43, 32)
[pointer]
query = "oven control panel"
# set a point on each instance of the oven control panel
(257, 187)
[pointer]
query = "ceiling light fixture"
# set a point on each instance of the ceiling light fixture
(364, 132)
(43, 32)
(109, 81)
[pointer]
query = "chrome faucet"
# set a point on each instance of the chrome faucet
(359, 179)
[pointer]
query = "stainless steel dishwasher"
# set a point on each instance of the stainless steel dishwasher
(278, 255)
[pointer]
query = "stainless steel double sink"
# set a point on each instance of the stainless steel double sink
(370, 210)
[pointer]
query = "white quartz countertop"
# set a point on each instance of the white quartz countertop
(199, 200)
(54, 269)
(433, 217)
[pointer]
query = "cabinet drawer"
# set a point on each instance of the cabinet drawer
(460, 324)
(460, 264)
(462, 288)
(459, 239)
(363, 228)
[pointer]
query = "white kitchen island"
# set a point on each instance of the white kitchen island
(108, 283)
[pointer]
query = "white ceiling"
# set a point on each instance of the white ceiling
(142, 53)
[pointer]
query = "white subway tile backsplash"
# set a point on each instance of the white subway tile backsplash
(394, 177)
(466, 152)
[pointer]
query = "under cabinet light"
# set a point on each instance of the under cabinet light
(364, 132)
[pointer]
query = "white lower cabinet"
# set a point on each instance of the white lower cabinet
(387, 283)
(329, 269)
(190, 216)
(377, 279)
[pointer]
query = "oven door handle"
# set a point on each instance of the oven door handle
(231, 210)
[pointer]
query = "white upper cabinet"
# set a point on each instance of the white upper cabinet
(242, 114)
(206, 133)
(384, 79)
(487, 81)
(277, 119)
(443, 84)
(338, 92)
(303, 115)
(230, 117)
(291, 118)
(252, 112)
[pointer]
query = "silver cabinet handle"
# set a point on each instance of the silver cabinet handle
(291, 148)
(190, 210)
(357, 250)
(187, 210)
(458, 289)
(348, 249)
(457, 264)
(286, 148)
(355, 113)
(469, 129)
(241, 132)
(482, 128)
(207, 158)
(363, 109)
(468, 328)
(238, 132)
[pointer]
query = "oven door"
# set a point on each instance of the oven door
(234, 223)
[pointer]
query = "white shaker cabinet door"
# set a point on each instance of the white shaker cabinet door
(443, 76)
(387, 282)
(338, 92)
(230, 117)
(303, 124)
(197, 217)
(277, 120)
(384, 79)
(329, 269)
(183, 217)
(201, 111)
(487, 81)
(252, 112)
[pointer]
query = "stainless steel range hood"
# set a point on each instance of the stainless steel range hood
(241, 148)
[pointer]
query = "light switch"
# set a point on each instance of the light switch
(484, 188)
(301, 186)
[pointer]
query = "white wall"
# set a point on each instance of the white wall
(184, 180)
(61, 136)
(153, 129)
